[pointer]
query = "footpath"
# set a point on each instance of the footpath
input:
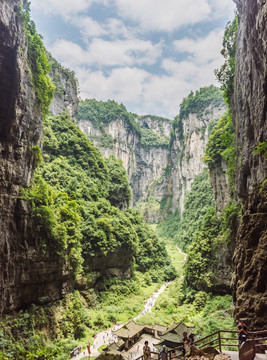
(106, 337)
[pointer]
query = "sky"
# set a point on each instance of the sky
(146, 54)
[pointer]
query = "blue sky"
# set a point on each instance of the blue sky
(146, 54)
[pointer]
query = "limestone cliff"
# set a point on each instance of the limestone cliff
(188, 148)
(27, 275)
(155, 170)
(250, 110)
(66, 89)
(143, 149)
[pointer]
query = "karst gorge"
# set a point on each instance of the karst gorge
(96, 201)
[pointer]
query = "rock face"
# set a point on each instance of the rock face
(157, 172)
(144, 164)
(220, 184)
(66, 89)
(27, 275)
(250, 111)
(187, 152)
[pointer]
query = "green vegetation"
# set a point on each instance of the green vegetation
(149, 138)
(56, 221)
(200, 232)
(56, 72)
(92, 192)
(196, 103)
(197, 201)
(39, 66)
(102, 113)
(74, 320)
(221, 146)
(226, 73)
(207, 313)
(119, 192)
(76, 197)
(201, 261)
(261, 149)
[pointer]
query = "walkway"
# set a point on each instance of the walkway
(107, 336)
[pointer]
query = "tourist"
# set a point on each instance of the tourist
(146, 351)
(191, 339)
(186, 342)
(242, 332)
(163, 353)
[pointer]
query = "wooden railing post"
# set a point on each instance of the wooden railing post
(220, 346)
(253, 342)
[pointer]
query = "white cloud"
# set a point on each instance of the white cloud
(122, 84)
(167, 15)
(61, 7)
(111, 63)
(107, 53)
(221, 8)
(203, 49)
(89, 28)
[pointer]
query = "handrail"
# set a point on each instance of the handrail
(220, 344)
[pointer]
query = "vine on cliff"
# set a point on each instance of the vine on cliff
(44, 89)
(226, 73)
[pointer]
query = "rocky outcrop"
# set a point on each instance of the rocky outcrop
(66, 89)
(26, 274)
(187, 151)
(144, 164)
(99, 267)
(250, 110)
(220, 184)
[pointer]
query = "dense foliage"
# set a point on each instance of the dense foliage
(196, 103)
(149, 138)
(197, 201)
(206, 312)
(201, 100)
(119, 192)
(221, 146)
(226, 73)
(39, 66)
(57, 71)
(97, 190)
(201, 262)
(101, 113)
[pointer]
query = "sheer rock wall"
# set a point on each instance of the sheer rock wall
(144, 165)
(250, 110)
(186, 154)
(26, 274)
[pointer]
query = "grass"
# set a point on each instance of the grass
(177, 258)
(206, 312)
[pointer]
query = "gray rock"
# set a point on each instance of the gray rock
(250, 112)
